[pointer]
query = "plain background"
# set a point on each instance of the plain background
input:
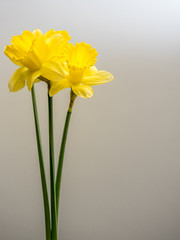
(121, 176)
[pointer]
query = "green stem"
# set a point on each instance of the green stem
(52, 175)
(62, 150)
(42, 171)
(61, 157)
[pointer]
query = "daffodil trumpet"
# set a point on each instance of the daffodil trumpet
(50, 58)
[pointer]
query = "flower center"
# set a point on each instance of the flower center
(75, 76)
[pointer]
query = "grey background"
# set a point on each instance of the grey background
(121, 177)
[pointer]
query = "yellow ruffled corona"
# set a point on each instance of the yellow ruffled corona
(37, 55)
(79, 72)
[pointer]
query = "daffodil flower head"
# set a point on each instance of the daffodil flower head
(37, 55)
(79, 71)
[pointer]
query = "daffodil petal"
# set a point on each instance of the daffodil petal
(82, 90)
(31, 78)
(56, 40)
(92, 69)
(52, 71)
(58, 86)
(62, 33)
(96, 78)
(17, 80)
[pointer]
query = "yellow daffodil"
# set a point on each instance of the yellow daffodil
(79, 72)
(37, 55)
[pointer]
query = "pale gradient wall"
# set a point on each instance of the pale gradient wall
(121, 178)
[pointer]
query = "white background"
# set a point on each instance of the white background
(121, 176)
